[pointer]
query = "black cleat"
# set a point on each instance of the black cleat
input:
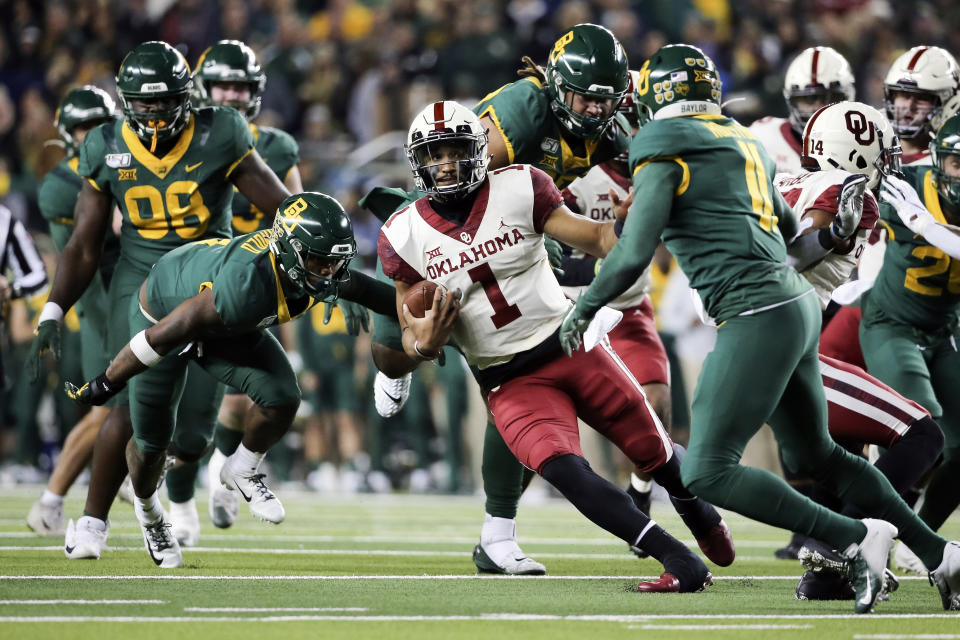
(824, 585)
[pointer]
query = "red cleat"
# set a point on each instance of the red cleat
(717, 545)
(666, 583)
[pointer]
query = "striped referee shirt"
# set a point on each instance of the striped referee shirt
(19, 257)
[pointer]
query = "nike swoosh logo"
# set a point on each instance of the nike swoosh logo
(245, 496)
(867, 596)
(190, 168)
(397, 400)
(69, 549)
(157, 561)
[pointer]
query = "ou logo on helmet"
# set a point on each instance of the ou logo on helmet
(858, 125)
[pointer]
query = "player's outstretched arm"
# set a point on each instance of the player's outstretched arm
(496, 145)
(192, 320)
(259, 184)
(900, 195)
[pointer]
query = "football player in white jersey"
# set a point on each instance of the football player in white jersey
(918, 86)
(815, 78)
(847, 148)
(480, 235)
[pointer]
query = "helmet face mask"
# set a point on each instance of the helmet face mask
(818, 76)
(155, 73)
(447, 151)
(853, 137)
(82, 108)
(230, 62)
(586, 71)
(945, 151)
(922, 74)
(312, 240)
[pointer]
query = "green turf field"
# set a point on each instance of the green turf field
(399, 566)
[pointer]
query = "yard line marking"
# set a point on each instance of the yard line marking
(715, 627)
(83, 601)
(514, 617)
(269, 609)
(465, 576)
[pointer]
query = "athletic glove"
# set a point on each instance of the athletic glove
(95, 392)
(554, 255)
(48, 337)
(849, 207)
(900, 195)
(355, 315)
(571, 331)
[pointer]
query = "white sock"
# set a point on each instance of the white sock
(643, 486)
(495, 529)
(245, 461)
(89, 522)
(148, 509)
(50, 499)
(183, 506)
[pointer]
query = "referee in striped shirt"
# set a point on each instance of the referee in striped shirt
(21, 269)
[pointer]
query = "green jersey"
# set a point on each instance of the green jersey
(174, 199)
(918, 284)
(56, 198)
(279, 150)
(722, 227)
(521, 112)
(242, 273)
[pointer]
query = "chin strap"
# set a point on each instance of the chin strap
(156, 129)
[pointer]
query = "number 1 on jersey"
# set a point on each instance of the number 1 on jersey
(504, 312)
(758, 185)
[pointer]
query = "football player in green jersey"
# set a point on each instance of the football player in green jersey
(563, 120)
(171, 169)
(704, 183)
(228, 74)
(81, 110)
(217, 296)
(909, 330)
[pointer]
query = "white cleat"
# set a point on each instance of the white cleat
(498, 551)
(185, 523)
(161, 544)
(85, 539)
(868, 560)
(947, 577)
(390, 394)
(906, 560)
(263, 504)
(223, 503)
(46, 520)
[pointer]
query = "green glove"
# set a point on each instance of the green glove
(554, 255)
(571, 331)
(96, 392)
(48, 337)
(356, 315)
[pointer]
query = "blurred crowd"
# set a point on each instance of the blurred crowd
(346, 76)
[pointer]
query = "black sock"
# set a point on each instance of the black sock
(697, 514)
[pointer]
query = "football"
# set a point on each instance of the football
(419, 297)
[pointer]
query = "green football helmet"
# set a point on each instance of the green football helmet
(155, 71)
(230, 61)
(311, 231)
(87, 105)
(587, 60)
(678, 80)
(945, 144)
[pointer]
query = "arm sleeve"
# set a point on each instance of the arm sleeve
(944, 237)
(377, 296)
(29, 275)
(654, 186)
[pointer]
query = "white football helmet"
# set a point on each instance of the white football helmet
(854, 137)
(924, 71)
(820, 73)
(446, 133)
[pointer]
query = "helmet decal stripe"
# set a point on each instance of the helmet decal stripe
(813, 66)
(916, 58)
(438, 120)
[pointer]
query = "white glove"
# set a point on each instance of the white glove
(849, 207)
(900, 195)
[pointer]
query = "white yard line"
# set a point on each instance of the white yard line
(717, 627)
(470, 576)
(269, 609)
(83, 601)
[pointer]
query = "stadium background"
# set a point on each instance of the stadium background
(344, 77)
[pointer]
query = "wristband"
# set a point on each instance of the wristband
(51, 311)
(416, 347)
(143, 351)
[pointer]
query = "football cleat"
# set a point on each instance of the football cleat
(868, 561)
(666, 583)
(906, 560)
(85, 539)
(890, 584)
(222, 503)
(161, 544)
(946, 577)
(818, 556)
(390, 394)
(262, 502)
(824, 585)
(184, 522)
(792, 550)
(46, 520)
(498, 551)
(717, 545)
